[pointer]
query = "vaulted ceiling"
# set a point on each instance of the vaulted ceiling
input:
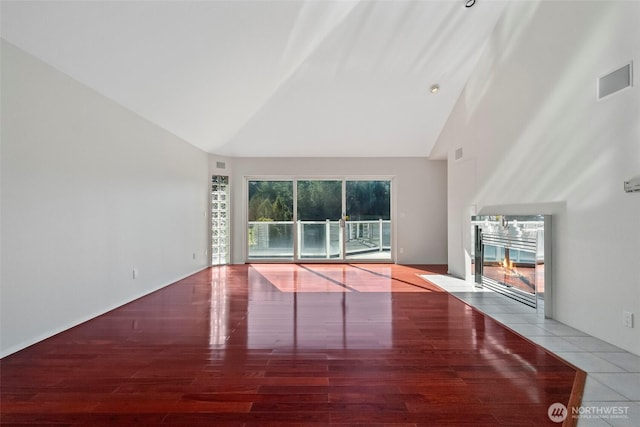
(272, 77)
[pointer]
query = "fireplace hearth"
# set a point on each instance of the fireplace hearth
(512, 256)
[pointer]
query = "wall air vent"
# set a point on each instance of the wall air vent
(633, 185)
(221, 165)
(615, 81)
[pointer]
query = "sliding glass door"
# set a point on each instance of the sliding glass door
(319, 219)
(270, 229)
(368, 219)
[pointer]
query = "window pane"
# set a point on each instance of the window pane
(270, 201)
(369, 200)
(270, 240)
(319, 214)
(368, 226)
(270, 226)
(319, 200)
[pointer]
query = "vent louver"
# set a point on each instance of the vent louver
(615, 81)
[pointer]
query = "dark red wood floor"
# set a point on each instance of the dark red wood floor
(311, 345)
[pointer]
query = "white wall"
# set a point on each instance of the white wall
(89, 191)
(536, 140)
(419, 190)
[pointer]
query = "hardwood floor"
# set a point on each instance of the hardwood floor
(274, 345)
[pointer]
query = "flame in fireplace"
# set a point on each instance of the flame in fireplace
(507, 264)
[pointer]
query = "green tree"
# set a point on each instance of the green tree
(272, 200)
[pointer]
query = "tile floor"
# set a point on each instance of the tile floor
(612, 390)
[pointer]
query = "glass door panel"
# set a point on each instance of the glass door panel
(368, 219)
(319, 209)
(270, 222)
(319, 219)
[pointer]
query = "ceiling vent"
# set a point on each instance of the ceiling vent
(615, 81)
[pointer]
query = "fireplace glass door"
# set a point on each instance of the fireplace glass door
(511, 254)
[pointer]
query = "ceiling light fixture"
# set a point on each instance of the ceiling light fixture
(435, 88)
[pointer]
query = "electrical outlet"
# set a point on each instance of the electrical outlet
(401, 250)
(627, 319)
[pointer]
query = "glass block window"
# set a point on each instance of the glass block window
(220, 250)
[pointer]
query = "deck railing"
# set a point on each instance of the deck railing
(317, 239)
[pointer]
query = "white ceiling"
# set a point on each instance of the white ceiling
(269, 78)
